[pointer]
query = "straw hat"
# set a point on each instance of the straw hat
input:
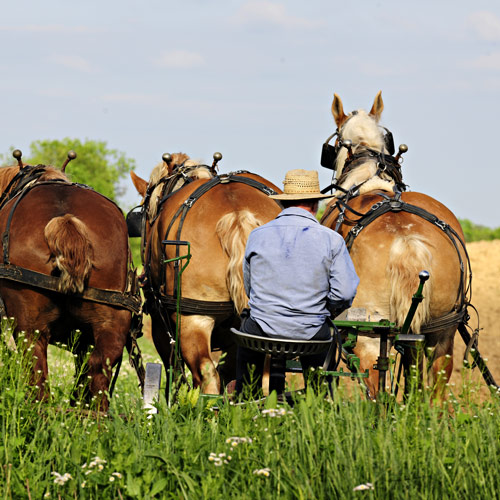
(301, 185)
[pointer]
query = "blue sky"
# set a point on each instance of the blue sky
(255, 80)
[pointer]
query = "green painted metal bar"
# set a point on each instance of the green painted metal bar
(177, 356)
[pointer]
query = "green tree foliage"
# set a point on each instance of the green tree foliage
(96, 165)
(476, 232)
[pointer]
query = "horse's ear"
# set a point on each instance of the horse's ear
(378, 107)
(140, 184)
(338, 111)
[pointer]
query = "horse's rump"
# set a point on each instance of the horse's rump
(389, 252)
(60, 228)
(217, 227)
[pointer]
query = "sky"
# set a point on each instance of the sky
(254, 79)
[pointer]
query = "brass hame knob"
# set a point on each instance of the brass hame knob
(167, 158)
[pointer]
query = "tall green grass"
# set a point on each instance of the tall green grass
(319, 448)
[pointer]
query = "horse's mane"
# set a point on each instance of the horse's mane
(163, 170)
(364, 132)
(8, 173)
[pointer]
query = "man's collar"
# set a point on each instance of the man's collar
(299, 212)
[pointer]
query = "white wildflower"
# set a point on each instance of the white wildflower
(262, 472)
(362, 487)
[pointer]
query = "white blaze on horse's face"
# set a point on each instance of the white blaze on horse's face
(363, 131)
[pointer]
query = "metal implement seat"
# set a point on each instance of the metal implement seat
(284, 348)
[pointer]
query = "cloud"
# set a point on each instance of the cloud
(179, 59)
(73, 62)
(486, 25)
(487, 61)
(262, 11)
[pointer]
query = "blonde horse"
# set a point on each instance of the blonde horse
(215, 216)
(401, 234)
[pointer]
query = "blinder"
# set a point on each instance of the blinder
(134, 221)
(329, 152)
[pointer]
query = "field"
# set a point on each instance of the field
(341, 447)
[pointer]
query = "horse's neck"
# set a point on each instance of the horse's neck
(365, 176)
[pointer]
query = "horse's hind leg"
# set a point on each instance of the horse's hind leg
(195, 334)
(40, 369)
(110, 335)
(440, 361)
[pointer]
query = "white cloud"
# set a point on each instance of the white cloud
(73, 62)
(262, 11)
(487, 61)
(179, 59)
(486, 25)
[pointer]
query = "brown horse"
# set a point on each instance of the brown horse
(215, 216)
(66, 267)
(403, 234)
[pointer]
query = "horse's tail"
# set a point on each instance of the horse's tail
(233, 230)
(408, 256)
(71, 250)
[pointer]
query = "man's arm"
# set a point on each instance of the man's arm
(343, 281)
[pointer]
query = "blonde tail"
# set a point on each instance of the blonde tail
(407, 257)
(233, 230)
(71, 250)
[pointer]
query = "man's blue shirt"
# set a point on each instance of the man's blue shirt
(293, 265)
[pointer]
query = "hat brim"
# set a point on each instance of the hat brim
(300, 196)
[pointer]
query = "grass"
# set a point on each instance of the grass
(319, 448)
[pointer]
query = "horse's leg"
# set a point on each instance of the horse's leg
(110, 328)
(40, 369)
(34, 313)
(368, 349)
(440, 355)
(195, 333)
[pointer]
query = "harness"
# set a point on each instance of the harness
(157, 299)
(395, 204)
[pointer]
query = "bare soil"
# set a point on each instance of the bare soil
(485, 264)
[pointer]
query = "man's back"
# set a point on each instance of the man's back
(292, 266)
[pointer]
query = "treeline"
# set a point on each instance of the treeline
(476, 232)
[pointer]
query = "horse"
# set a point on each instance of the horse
(215, 214)
(67, 267)
(393, 234)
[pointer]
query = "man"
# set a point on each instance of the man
(297, 274)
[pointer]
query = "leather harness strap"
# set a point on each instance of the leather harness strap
(129, 300)
(40, 280)
(187, 305)
(395, 204)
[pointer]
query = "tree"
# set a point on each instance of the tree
(96, 165)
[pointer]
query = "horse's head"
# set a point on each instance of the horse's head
(168, 176)
(364, 141)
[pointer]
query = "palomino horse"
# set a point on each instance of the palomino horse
(401, 234)
(215, 216)
(66, 266)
